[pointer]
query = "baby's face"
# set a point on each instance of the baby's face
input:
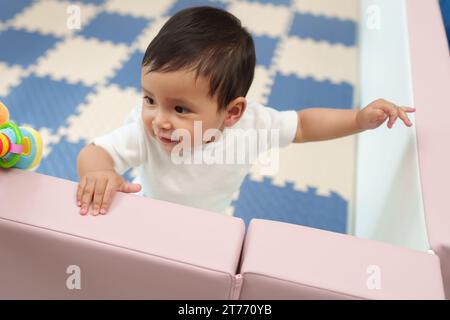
(174, 100)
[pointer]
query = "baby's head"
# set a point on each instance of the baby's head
(199, 67)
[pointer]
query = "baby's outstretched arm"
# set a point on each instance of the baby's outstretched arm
(98, 180)
(316, 124)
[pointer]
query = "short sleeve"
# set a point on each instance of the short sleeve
(125, 145)
(271, 123)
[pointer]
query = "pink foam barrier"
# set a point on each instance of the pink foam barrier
(149, 249)
(142, 249)
(430, 70)
(286, 261)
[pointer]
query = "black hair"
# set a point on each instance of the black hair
(211, 42)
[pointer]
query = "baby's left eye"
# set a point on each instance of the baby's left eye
(180, 109)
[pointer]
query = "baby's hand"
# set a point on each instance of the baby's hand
(98, 188)
(378, 111)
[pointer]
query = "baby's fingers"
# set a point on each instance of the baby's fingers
(100, 187)
(130, 187)
(80, 190)
(408, 109)
(393, 115)
(404, 117)
(86, 199)
(107, 197)
(389, 110)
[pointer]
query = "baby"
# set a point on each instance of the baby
(195, 75)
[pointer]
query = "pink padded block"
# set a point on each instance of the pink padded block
(142, 249)
(286, 261)
(430, 69)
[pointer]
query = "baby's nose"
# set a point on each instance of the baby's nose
(161, 122)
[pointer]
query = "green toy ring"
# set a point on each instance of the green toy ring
(8, 164)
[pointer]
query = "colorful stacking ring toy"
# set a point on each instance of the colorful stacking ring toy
(20, 147)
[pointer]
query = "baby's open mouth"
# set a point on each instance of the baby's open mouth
(167, 140)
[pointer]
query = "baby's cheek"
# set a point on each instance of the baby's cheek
(150, 131)
(147, 120)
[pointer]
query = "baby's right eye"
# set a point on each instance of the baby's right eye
(149, 100)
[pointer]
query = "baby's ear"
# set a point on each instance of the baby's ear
(234, 111)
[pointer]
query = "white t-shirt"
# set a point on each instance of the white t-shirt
(208, 186)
